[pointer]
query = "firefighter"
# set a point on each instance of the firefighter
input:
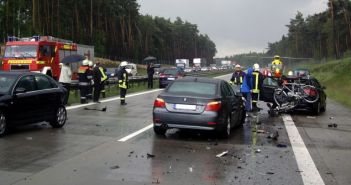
(83, 81)
(238, 76)
(277, 63)
(91, 82)
(97, 76)
(104, 79)
(257, 80)
(123, 82)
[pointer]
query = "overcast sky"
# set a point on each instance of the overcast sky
(236, 26)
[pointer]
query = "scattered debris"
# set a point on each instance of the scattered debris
(311, 117)
(329, 173)
(98, 125)
(281, 145)
(260, 131)
(333, 125)
(222, 154)
(29, 138)
(274, 135)
(190, 169)
(131, 152)
(102, 110)
(149, 155)
(299, 171)
(269, 173)
(208, 148)
(239, 167)
(114, 167)
(75, 170)
(156, 182)
(258, 151)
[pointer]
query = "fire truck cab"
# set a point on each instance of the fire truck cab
(37, 54)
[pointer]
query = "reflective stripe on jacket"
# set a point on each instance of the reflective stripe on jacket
(103, 74)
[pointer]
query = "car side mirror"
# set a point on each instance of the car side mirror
(20, 90)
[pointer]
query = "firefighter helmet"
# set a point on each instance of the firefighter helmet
(256, 67)
(237, 66)
(85, 62)
(124, 63)
(290, 73)
(91, 63)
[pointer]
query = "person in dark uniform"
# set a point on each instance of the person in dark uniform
(104, 79)
(123, 82)
(257, 81)
(238, 76)
(90, 77)
(83, 81)
(97, 82)
(150, 75)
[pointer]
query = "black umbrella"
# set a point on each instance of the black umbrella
(149, 58)
(72, 59)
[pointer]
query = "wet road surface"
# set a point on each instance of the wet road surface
(88, 149)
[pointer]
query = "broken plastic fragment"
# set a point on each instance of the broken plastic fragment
(222, 154)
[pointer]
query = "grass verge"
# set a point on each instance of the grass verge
(336, 76)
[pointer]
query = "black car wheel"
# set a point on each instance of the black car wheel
(3, 124)
(317, 108)
(159, 130)
(226, 129)
(60, 117)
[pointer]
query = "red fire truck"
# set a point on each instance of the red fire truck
(41, 54)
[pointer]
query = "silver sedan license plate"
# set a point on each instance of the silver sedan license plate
(185, 107)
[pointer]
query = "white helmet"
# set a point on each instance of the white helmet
(124, 63)
(91, 63)
(290, 73)
(237, 66)
(256, 67)
(85, 62)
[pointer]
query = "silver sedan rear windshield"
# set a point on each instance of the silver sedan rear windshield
(200, 88)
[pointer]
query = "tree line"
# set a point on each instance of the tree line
(114, 27)
(323, 35)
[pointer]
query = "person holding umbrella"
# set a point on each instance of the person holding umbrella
(150, 75)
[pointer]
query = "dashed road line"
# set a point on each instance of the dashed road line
(309, 172)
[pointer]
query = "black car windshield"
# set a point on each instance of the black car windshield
(170, 72)
(22, 51)
(199, 88)
(6, 82)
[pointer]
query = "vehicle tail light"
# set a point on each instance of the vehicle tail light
(311, 91)
(213, 106)
(162, 75)
(211, 123)
(157, 120)
(160, 103)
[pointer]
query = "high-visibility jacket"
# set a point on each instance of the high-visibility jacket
(83, 75)
(237, 77)
(257, 81)
(103, 74)
(123, 79)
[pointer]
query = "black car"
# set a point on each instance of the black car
(269, 85)
(168, 75)
(198, 103)
(27, 98)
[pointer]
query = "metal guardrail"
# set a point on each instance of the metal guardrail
(137, 80)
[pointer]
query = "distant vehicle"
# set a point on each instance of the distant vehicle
(182, 63)
(199, 63)
(269, 86)
(42, 54)
(27, 98)
(300, 72)
(111, 72)
(168, 75)
(198, 103)
(204, 69)
(188, 70)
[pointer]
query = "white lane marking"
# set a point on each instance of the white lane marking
(126, 138)
(309, 172)
(111, 99)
